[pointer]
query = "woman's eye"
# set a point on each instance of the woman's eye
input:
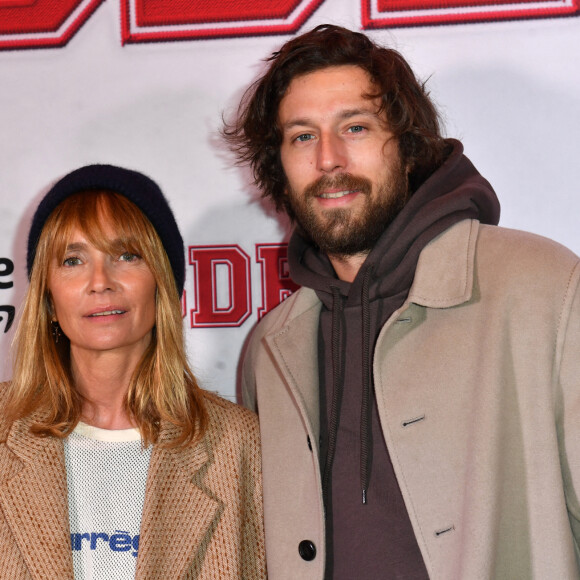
(73, 261)
(129, 257)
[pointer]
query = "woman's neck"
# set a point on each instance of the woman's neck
(103, 380)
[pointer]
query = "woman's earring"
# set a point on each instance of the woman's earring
(55, 330)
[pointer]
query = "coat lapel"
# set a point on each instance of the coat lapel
(179, 514)
(295, 349)
(34, 501)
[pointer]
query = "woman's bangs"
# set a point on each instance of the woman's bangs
(108, 220)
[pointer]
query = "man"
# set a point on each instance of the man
(418, 396)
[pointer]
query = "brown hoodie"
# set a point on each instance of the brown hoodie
(375, 539)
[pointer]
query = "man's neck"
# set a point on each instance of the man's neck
(347, 267)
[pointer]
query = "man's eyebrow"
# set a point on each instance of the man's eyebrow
(343, 115)
(356, 112)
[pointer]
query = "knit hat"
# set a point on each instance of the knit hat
(136, 187)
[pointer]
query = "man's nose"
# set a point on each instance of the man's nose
(331, 153)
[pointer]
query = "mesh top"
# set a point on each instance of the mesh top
(106, 476)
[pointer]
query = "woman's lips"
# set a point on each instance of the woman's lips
(108, 311)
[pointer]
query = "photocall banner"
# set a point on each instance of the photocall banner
(145, 84)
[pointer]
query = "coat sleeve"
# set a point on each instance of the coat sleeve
(248, 374)
(567, 398)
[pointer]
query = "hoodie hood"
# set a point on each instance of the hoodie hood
(454, 192)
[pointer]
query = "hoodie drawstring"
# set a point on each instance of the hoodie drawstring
(338, 385)
(366, 434)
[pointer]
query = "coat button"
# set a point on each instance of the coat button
(307, 550)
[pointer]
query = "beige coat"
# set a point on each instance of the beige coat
(210, 493)
(477, 380)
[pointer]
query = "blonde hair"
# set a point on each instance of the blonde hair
(162, 387)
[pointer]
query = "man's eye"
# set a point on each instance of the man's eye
(304, 137)
(356, 129)
(73, 261)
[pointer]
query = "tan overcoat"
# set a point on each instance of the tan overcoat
(202, 516)
(477, 379)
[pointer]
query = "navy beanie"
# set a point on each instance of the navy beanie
(136, 187)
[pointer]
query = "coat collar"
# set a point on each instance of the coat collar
(35, 503)
(443, 278)
(444, 274)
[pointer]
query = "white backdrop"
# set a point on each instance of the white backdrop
(510, 89)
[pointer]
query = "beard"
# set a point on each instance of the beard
(347, 232)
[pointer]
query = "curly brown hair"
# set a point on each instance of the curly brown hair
(255, 135)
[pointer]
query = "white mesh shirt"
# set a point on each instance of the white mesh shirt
(106, 477)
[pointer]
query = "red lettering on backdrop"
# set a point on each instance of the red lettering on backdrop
(161, 12)
(276, 282)
(223, 294)
(42, 23)
(395, 13)
(159, 20)
(52, 23)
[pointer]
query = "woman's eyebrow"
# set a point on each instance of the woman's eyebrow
(75, 247)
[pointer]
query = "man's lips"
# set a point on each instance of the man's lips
(338, 191)
(337, 194)
(341, 198)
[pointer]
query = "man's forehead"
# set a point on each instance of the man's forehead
(344, 74)
(345, 91)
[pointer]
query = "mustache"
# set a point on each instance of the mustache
(344, 181)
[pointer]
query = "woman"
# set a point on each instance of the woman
(114, 464)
